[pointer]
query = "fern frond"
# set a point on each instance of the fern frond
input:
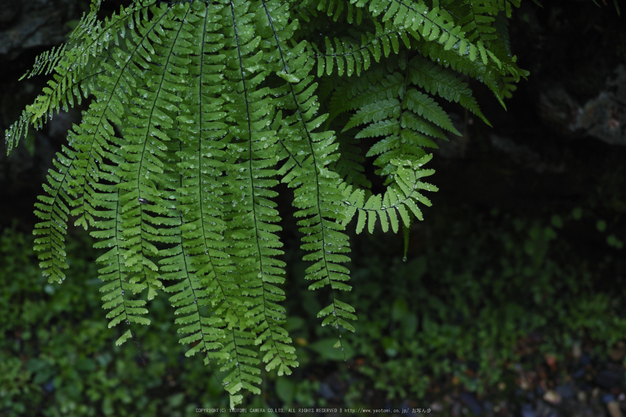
(113, 273)
(349, 55)
(53, 210)
(400, 198)
(424, 106)
(201, 248)
(443, 39)
(429, 24)
(479, 21)
(75, 66)
(402, 119)
(371, 86)
(200, 109)
(143, 176)
(316, 195)
(438, 80)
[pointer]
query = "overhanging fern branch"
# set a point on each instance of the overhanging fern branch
(316, 192)
(251, 212)
(202, 107)
(201, 158)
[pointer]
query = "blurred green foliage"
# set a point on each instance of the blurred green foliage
(457, 308)
(57, 357)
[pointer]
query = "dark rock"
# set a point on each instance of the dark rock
(523, 155)
(609, 378)
(559, 110)
(33, 24)
(9, 9)
(604, 117)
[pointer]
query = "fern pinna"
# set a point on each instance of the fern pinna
(201, 108)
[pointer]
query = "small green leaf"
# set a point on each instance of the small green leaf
(151, 292)
(235, 400)
(123, 338)
(290, 78)
(361, 221)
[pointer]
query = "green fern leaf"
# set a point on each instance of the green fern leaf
(199, 110)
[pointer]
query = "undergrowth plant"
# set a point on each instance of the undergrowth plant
(199, 109)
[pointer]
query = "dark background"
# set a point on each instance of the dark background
(510, 302)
